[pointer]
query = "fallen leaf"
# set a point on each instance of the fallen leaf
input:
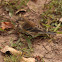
(27, 59)
(22, 11)
(18, 53)
(6, 25)
(11, 50)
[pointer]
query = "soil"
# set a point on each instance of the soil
(50, 51)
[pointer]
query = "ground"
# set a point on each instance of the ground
(49, 49)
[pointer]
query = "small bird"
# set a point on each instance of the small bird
(31, 27)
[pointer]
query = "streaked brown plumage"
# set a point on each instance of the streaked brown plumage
(30, 26)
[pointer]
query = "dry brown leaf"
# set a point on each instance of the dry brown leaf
(27, 59)
(38, 7)
(6, 25)
(22, 11)
(15, 52)
(11, 50)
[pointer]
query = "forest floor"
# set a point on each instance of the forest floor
(49, 49)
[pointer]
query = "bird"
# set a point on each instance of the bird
(31, 28)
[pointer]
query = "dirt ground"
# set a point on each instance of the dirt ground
(50, 51)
